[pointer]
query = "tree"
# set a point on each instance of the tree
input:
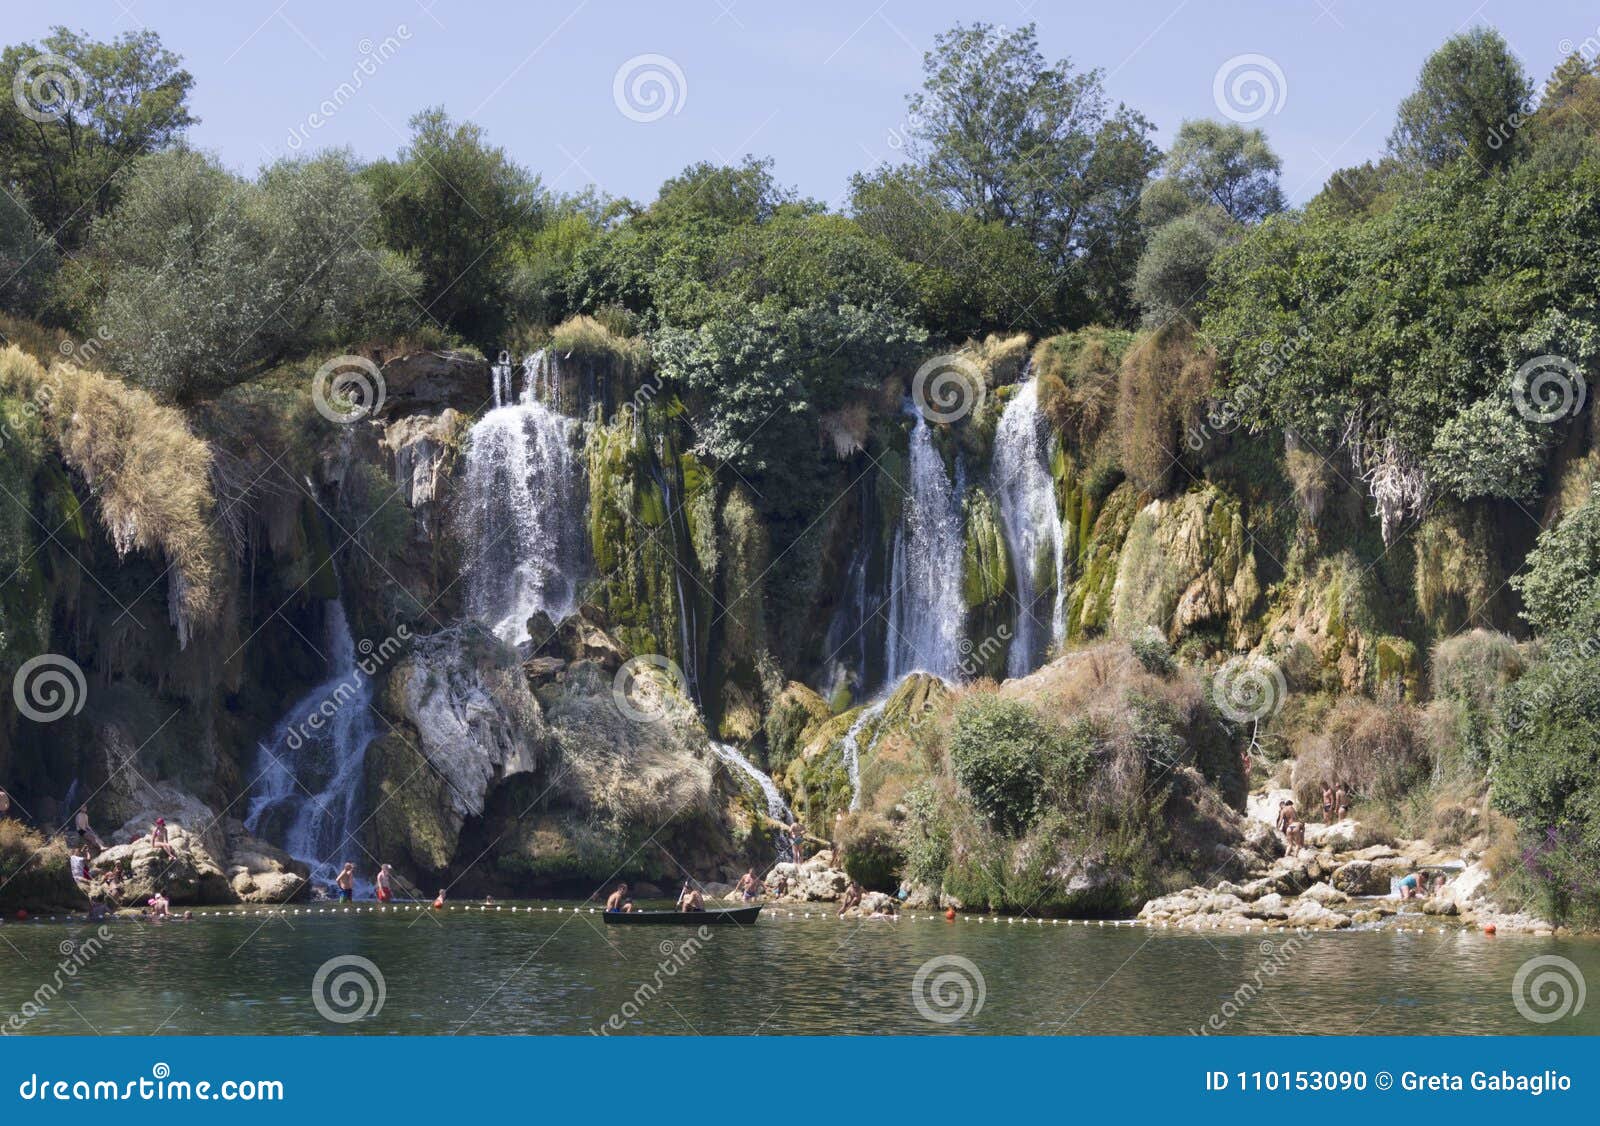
(212, 276)
(1006, 138)
(457, 206)
(1222, 165)
(85, 111)
(1173, 271)
(27, 257)
(743, 193)
(1560, 585)
(1470, 97)
(971, 276)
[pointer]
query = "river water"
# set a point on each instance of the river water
(549, 971)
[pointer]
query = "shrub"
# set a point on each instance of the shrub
(924, 838)
(1162, 385)
(997, 751)
(1375, 747)
(872, 856)
(34, 871)
(1151, 650)
(1559, 583)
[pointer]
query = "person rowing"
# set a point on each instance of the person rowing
(690, 899)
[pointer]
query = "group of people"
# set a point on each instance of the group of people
(1335, 807)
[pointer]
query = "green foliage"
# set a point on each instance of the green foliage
(37, 875)
(970, 276)
(458, 207)
(1151, 650)
(998, 752)
(1468, 102)
(1560, 584)
(213, 277)
(872, 856)
(924, 837)
(1384, 330)
(1006, 137)
(1173, 272)
(1488, 450)
(104, 107)
(1212, 164)
(27, 257)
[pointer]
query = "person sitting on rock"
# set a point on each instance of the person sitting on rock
(159, 841)
(852, 898)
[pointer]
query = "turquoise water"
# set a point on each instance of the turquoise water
(552, 971)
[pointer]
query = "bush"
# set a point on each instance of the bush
(872, 856)
(1377, 748)
(34, 871)
(1151, 650)
(997, 751)
(924, 838)
(1559, 583)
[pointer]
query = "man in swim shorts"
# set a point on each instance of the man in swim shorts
(346, 880)
(615, 901)
(382, 883)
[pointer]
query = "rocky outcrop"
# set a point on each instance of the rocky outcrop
(429, 382)
(210, 860)
(1186, 564)
(463, 722)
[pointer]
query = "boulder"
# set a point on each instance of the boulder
(1314, 916)
(423, 451)
(1341, 836)
(1324, 894)
(190, 875)
(583, 637)
(259, 873)
(1439, 905)
(1359, 877)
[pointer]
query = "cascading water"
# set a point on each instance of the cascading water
(524, 500)
(307, 794)
(851, 749)
(777, 808)
(1023, 487)
(925, 603)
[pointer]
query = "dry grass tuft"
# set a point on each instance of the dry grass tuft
(148, 472)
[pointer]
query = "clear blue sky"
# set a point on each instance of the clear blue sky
(819, 86)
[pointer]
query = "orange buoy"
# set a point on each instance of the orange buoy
(1488, 928)
(22, 912)
(950, 914)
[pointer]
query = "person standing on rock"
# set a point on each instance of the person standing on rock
(1327, 803)
(86, 835)
(1341, 801)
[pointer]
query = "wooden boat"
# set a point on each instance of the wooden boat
(736, 916)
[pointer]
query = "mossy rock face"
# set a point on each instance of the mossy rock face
(791, 722)
(1395, 662)
(411, 823)
(1089, 603)
(1187, 566)
(987, 585)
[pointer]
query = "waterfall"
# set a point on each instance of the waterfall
(925, 602)
(851, 748)
(307, 794)
(523, 506)
(777, 808)
(1025, 492)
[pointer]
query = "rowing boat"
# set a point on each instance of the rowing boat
(737, 916)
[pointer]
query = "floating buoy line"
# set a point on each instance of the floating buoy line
(776, 911)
